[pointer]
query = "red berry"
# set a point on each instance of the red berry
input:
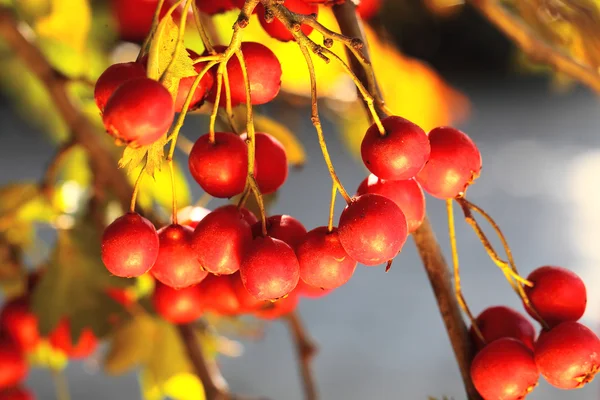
(220, 168)
(558, 295)
(367, 9)
(247, 302)
(249, 216)
(20, 323)
(276, 29)
(323, 261)
(454, 164)
(277, 309)
(13, 367)
(129, 246)
(568, 356)
(192, 215)
(305, 290)
(60, 339)
(220, 240)
(407, 194)
(219, 295)
(16, 393)
(264, 74)
(212, 7)
(505, 370)
(178, 306)
(372, 229)
(282, 227)
(113, 77)
(134, 18)
(270, 269)
(399, 154)
(121, 296)
(176, 265)
(140, 111)
(185, 84)
(500, 322)
(271, 163)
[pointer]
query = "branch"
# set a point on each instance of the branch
(305, 350)
(536, 48)
(424, 237)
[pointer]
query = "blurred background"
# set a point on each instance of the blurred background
(380, 336)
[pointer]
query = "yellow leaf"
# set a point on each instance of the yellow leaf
(46, 356)
(294, 149)
(183, 386)
(69, 22)
(130, 345)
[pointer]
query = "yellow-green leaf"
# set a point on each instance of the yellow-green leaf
(131, 345)
(151, 155)
(183, 386)
(159, 190)
(293, 148)
(69, 23)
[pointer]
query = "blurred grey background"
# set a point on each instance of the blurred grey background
(380, 336)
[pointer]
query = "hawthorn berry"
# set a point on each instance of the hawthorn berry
(367, 9)
(122, 296)
(176, 265)
(264, 75)
(398, 154)
(16, 393)
(454, 164)
(129, 246)
(499, 322)
(247, 302)
(61, 339)
(323, 261)
(20, 324)
(277, 30)
(312, 292)
(192, 215)
(220, 168)
(134, 18)
(407, 194)
(212, 7)
(271, 163)
(272, 310)
(282, 227)
(13, 367)
(568, 355)
(372, 229)
(249, 216)
(113, 77)
(557, 295)
(220, 240)
(504, 369)
(185, 85)
(178, 306)
(219, 295)
(270, 268)
(140, 111)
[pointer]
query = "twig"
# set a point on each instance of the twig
(305, 350)
(536, 48)
(425, 240)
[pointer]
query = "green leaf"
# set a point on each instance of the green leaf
(152, 156)
(131, 345)
(74, 284)
(159, 190)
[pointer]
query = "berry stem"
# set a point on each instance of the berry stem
(244, 197)
(172, 174)
(228, 107)
(334, 190)
(201, 31)
(215, 110)
(456, 269)
(136, 188)
(305, 351)
(180, 34)
(61, 386)
(155, 21)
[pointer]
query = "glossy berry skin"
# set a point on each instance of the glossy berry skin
(270, 269)
(276, 29)
(311, 292)
(185, 84)
(13, 367)
(499, 322)
(568, 356)
(220, 240)
(454, 164)
(372, 229)
(247, 303)
(505, 370)
(134, 18)
(274, 310)
(219, 295)
(367, 9)
(249, 216)
(139, 112)
(271, 163)
(323, 261)
(407, 194)
(20, 324)
(282, 227)
(16, 393)
(220, 168)
(264, 74)
(212, 7)
(179, 306)
(399, 154)
(61, 339)
(176, 265)
(129, 246)
(558, 295)
(113, 77)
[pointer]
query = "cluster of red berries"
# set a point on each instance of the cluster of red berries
(510, 359)
(20, 336)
